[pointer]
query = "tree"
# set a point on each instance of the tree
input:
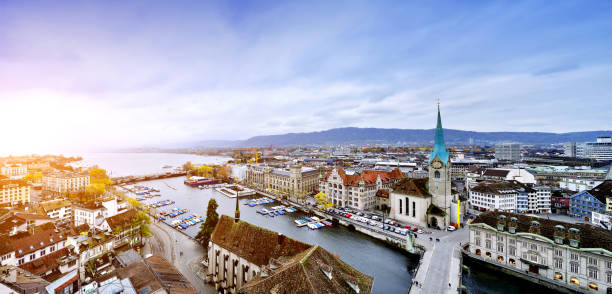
(225, 172)
(134, 203)
(206, 229)
(33, 177)
(99, 181)
(143, 220)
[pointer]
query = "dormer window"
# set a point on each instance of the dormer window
(353, 283)
(31, 246)
(51, 240)
(326, 270)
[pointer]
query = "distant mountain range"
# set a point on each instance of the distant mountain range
(404, 136)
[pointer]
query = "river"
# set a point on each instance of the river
(392, 270)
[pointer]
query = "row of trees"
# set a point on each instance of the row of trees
(222, 172)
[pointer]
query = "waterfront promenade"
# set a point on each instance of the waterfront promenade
(170, 243)
(441, 263)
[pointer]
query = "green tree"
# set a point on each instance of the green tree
(143, 220)
(206, 229)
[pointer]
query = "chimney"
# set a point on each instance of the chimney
(574, 237)
(559, 234)
(534, 228)
(512, 225)
(501, 222)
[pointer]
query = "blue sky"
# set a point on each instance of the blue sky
(97, 74)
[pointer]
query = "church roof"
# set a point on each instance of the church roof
(439, 148)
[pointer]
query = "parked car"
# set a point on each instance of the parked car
(420, 232)
(348, 215)
(450, 228)
(375, 217)
(386, 227)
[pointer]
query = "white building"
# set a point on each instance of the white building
(410, 200)
(64, 182)
(14, 191)
(600, 150)
(508, 152)
(571, 255)
(569, 149)
(509, 174)
(494, 196)
(579, 184)
(60, 209)
(14, 171)
(294, 183)
(94, 214)
(357, 190)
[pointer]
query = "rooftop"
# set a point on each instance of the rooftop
(414, 187)
(590, 236)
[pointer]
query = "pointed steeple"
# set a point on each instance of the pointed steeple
(439, 147)
(237, 212)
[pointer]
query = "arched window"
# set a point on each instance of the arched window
(437, 174)
(500, 258)
(512, 262)
(477, 251)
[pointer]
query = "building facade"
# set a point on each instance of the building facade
(294, 183)
(59, 210)
(14, 171)
(14, 191)
(508, 152)
(357, 190)
(598, 199)
(600, 150)
(58, 183)
(573, 256)
(569, 149)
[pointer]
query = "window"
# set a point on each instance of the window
(42, 252)
(488, 236)
(413, 209)
(559, 263)
(512, 241)
(488, 244)
(407, 207)
(574, 267)
(500, 247)
(593, 273)
(20, 262)
(559, 252)
(609, 278)
(437, 174)
(512, 250)
(534, 247)
(573, 256)
(32, 256)
(400, 206)
(609, 265)
(593, 261)
(477, 233)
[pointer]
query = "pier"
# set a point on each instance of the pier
(149, 177)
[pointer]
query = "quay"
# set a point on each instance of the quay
(149, 177)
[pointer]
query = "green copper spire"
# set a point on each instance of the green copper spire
(439, 147)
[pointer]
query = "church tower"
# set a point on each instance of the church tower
(440, 173)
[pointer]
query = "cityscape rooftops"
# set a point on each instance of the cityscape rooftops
(54, 204)
(368, 177)
(22, 281)
(25, 244)
(253, 243)
(496, 187)
(314, 270)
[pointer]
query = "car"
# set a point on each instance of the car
(341, 208)
(381, 226)
(348, 215)
(386, 227)
(360, 213)
(450, 228)
(375, 217)
(408, 227)
(420, 232)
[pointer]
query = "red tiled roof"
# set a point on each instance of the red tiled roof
(369, 177)
(46, 263)
(33, 242)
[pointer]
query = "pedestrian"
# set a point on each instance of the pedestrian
(449, 285)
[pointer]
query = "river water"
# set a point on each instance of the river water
(392, 270)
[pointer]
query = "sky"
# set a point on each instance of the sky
(91, 75)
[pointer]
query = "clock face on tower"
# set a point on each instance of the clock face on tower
(436, 164)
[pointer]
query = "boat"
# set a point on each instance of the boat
(271, 214)
(275, 213)
(197, 181)
(312, 226)
(316, 219)
(327, 223)
(308, 219)
(263, 211)
(300, 222)
(252, 204)
(281, 212)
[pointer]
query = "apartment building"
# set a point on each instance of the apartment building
(574, 256)
(58, 183)
(508, 152)
(14, 171)
(94, 214)
(59, 210)
(599, 150)
(295, 182)
(357, 190)
(14, 191)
